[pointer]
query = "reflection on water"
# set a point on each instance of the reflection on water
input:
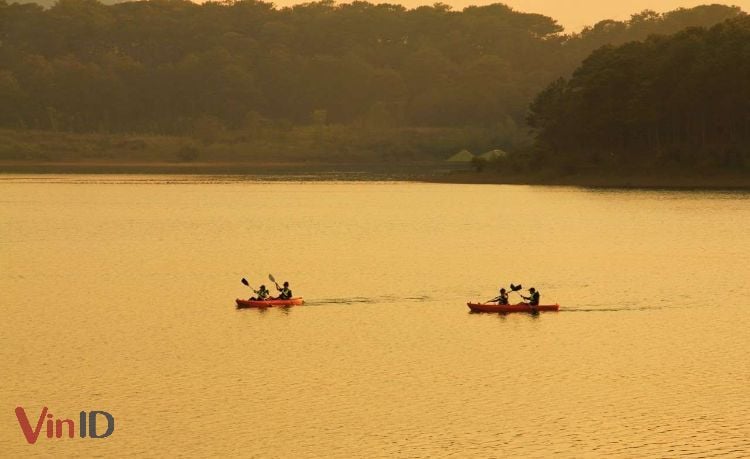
(118, 294)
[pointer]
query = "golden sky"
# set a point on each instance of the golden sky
(572, 14)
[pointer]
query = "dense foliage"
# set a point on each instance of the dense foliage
(172, 66)
(681, 100)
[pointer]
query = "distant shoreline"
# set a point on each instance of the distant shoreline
(717, 181)
(417, 170)
(426, 172)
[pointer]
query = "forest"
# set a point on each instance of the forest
(245, 79)
(679, 101)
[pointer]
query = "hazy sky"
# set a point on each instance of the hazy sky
(572, 14)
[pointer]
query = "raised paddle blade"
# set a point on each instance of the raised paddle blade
(516, 288)
(244, 281)
(270, 277)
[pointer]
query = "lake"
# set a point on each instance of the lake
(118, 295)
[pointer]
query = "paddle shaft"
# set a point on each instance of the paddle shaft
(273, 279)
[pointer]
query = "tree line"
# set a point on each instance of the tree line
(162, 66)
(679, 100)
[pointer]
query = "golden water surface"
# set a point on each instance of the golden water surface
(117, 294)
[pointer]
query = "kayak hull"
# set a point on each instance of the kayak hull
(296, 301)
(505, 308)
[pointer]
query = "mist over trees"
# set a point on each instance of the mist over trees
(680, 100)
(175, 67)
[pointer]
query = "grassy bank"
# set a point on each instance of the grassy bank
(273, 144)
(414, 154)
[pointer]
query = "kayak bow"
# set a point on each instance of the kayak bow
(521, 307)
(296, 301)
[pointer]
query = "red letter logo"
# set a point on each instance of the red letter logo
(23, 420)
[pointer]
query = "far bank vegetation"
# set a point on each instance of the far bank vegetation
(247, 81)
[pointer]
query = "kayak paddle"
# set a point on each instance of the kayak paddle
(244, 281)
(513, 288)
(516, 288)
(272, 279)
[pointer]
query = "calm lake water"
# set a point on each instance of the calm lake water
(118, 295)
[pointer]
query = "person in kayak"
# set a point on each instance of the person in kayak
(533, 299)
(262, 293)
(503, 298)
(284, 292)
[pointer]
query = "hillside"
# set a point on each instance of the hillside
(345, 80)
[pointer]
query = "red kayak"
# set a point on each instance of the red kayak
(296, 301)
(521, 307)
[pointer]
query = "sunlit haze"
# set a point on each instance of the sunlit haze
(572, 14)
(374, 228)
